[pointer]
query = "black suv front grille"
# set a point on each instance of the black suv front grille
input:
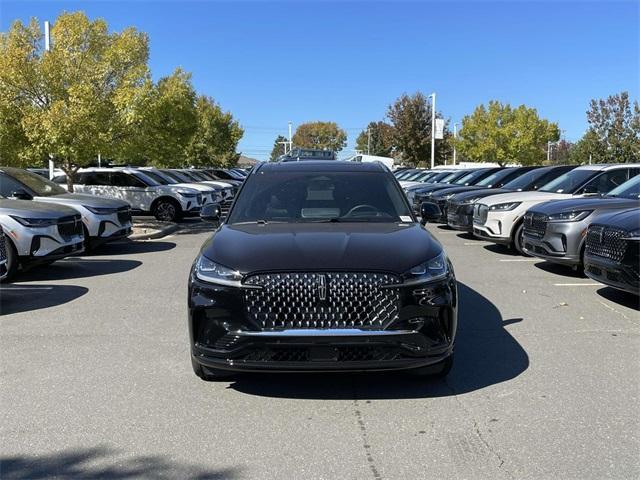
(322, 300)
(535, 224)
(69, 227)
(124, 215)
(606, 242)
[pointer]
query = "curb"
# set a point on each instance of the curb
(168, 230)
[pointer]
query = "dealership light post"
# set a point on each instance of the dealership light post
(455, 137)
(433, 129)
(47, 47)
(290, 143)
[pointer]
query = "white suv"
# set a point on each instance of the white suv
(499, 218)
(210, 193)
(165, 202)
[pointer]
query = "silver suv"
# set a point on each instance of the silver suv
(103, 219)
(166, 202)
(38, 232)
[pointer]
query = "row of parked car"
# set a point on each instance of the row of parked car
(42, 221)
(585, 217)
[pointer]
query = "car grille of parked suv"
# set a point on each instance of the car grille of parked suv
(606, 243)
(124, 215)
(70, 226)
(480, 214)
(333, 300)
(535, 224)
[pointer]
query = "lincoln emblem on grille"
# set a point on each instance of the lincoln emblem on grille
(322, 286)
(601, 236)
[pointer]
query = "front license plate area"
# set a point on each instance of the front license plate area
(323, 354)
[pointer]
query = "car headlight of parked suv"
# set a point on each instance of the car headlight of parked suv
(431, 270)
(504, 207)
(573, 216)
(101, 210)
(212, 272)
(187, 194)
(35, 222)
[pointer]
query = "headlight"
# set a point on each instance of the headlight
(212, 272)
(431, 270)
(187, 194)
(101, 210)
(35, 222)
(504, 207)
(573, 216)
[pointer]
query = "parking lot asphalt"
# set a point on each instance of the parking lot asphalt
(96, 382)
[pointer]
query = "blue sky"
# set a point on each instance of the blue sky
(271, 62)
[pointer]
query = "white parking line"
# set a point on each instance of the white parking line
(478, 244)
(520, 260)
(578, 285)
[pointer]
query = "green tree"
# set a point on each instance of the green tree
(376, 139)
(71, 102)
(587, 149)
(501, 134)
(410, 117)
(216, 137)
(278, 147)
(322, 135)
(615, 124)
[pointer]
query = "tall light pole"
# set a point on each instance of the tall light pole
(368, 141)
(433, 129)
(290, 143)
(455, 137)
(47, 48)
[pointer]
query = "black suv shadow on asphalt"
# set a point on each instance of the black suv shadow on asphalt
(102, 463)
(131, 247)
(624, 299)
(15, 298)
(486, 354)
(76, 267)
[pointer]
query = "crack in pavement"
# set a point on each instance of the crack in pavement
(476, 429)
(364, 435)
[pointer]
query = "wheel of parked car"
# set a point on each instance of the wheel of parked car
(12, 260)
(518, 240)
(167, 210)
(439, 370)
(210, 374)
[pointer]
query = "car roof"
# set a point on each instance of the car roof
(322, 166)
(607, 166)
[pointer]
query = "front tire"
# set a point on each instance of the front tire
(518, 240)
(209, 374)
(13, 262)
(439, 370)
(167, 210)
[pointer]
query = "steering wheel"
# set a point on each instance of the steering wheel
(364, 207)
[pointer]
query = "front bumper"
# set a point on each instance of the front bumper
(623, 276)
(496, 228)
(221, 337)
(561, 243)
(460, 217)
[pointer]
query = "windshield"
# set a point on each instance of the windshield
(452, 176)
(423, 176)
(495, 177)
(523, 181)
(469, 178)
(569, 182)
(313, 196)
(413, 175)
(629, 189)
(156, 177)
(197, 176)
(179, 177)
(40, 186)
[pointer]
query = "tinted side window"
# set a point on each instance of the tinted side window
(95, 178)
(547, 177)
(607, 181)
(9, 185)
(121, 179)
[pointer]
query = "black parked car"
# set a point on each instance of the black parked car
(299, 277)
(612, 254)
(460, 206)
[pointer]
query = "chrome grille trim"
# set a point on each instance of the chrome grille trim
(535, 224)
(480, 213)
(294, 300)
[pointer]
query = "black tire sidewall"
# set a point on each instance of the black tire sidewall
(171, 202)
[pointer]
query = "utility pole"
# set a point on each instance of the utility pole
(47, 48)
(455, 137)
(290, 142)
(548, 150)
(99, 160)
(368, 141)
(433, 129)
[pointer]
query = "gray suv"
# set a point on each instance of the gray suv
(103, 219)
(556, 231)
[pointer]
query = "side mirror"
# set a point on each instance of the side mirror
(429, 212)
(21, 195)
(210, 213)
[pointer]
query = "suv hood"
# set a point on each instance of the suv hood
(389, 247)
(455, 189)
(466, 195)
(74, 199)
(590, 203)
(33, 209)
(536, 197)
(197, 186)
(626, 219)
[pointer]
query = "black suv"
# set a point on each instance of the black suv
(612, 253)
(321, 266)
